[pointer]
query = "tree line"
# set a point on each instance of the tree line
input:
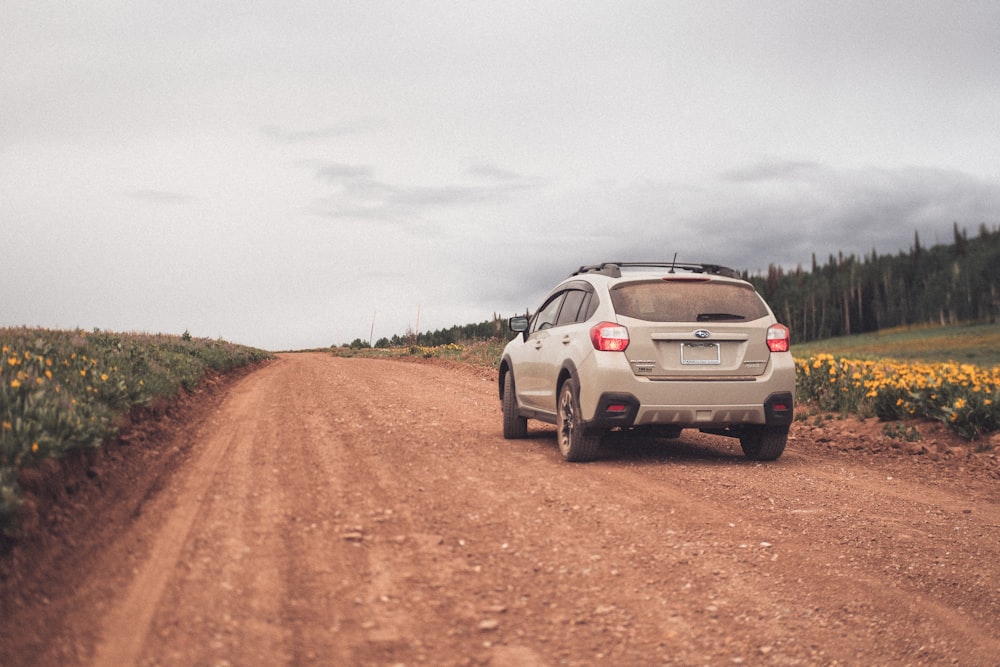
(943, 284)
(459, 334)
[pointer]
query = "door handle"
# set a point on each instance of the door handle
(566, 340)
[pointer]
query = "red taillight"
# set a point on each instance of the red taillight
(609, 337)
(778, 338)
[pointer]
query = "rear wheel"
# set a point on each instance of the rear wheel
(514, 426)
(575, 444)
(764, 443)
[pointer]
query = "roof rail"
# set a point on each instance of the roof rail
(614, 269)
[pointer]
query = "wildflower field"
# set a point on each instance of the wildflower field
(948, 374)
(65, 390)
(964, 397)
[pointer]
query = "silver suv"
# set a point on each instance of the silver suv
(653, 347)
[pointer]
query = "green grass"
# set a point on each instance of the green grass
(481, 353)
(977, 344)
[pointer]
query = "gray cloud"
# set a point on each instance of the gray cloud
(782, 213)
(363, 196)
(160, 197)
(343, 173)
(748, 218)
(346, 128)
(776, 170)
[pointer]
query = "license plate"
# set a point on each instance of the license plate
(700, 354)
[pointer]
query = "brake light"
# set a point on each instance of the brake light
(686, 278)
(778, 338)
(609, 337)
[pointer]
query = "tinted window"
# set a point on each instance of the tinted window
(589, 307)
(570, 312)
(546, 315)
(666, 301)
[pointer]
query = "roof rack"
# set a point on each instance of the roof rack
(614, 269)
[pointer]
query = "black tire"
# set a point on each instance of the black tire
(515, 427)
(764, 443)
(574, 443)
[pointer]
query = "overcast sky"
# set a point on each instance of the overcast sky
(283, 174)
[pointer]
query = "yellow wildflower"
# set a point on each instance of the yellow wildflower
(7, 425)
(15, 383)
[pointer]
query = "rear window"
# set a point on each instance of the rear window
(663, 301)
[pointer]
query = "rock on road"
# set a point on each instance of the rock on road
(336, 511)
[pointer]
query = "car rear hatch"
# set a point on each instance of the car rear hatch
(693, 327)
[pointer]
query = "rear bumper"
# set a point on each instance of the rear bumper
(625, 411)
(630, 401)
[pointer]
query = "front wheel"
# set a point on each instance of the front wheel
(575, 444)
(764, 443)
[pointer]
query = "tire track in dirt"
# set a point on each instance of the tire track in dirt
(142, 598)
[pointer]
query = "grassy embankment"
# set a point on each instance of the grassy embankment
(65, 390)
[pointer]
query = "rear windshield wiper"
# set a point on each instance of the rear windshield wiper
(709, 317)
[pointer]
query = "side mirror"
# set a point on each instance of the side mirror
(518, 324)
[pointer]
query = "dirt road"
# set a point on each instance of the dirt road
(362, 512)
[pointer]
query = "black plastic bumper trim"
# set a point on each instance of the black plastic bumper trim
(605, 418)
(779, 409)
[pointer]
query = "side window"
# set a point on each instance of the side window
(546, 315)
(570, 312)
(588, 308)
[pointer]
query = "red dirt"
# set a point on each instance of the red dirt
(367, 512)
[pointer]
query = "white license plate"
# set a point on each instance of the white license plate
(700, 354)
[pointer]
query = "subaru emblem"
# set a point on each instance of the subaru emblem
(702, 333)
